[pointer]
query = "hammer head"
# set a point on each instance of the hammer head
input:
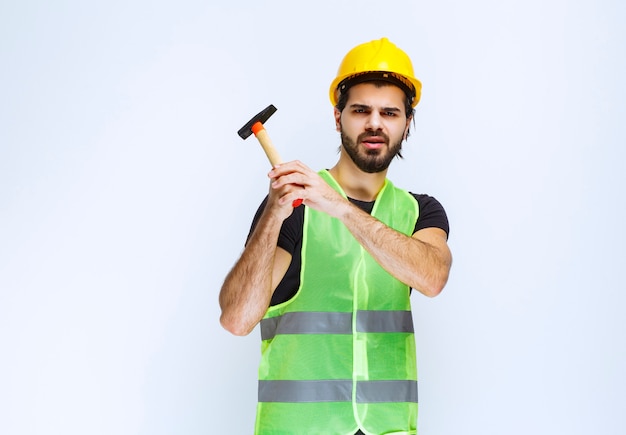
(261, 117)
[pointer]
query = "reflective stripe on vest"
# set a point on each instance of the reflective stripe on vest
(336, 323)
(337, 391)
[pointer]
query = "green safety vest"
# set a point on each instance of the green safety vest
(340, 354)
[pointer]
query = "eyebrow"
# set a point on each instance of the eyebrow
(366, 107)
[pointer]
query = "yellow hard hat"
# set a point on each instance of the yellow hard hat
(383, 60)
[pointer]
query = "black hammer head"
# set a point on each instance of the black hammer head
(261, 117)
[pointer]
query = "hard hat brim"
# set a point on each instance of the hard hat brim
(410, 85)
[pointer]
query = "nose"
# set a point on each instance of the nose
(374, 121)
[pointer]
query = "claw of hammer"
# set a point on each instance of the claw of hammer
(255, 125)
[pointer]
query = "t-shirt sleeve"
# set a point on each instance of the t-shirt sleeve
(290, 239)
(256, 218)
(431, 214)
(291, 230)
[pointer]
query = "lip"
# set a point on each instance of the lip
(373, 142)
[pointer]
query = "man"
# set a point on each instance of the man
(330, 280)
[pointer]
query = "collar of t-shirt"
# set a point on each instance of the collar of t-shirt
(366, 206)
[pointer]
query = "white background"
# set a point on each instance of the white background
(126, 196)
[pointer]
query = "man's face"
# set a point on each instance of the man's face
(373, 125)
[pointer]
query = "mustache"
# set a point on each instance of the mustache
(368, 134)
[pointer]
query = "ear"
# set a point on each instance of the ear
(337, 119)
(406, 127)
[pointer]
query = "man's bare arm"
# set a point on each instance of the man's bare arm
(422, 261)
(248, 287)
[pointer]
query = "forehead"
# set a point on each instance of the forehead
(374, 95)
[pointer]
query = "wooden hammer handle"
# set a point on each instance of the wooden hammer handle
(270, 151)
(268, 147)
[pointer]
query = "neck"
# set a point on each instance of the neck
(356, 183)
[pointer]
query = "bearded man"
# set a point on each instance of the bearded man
(330, 281)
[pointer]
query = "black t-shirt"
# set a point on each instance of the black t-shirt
(431, 214)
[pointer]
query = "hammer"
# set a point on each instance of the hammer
(255, 125)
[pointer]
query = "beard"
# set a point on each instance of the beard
(368, 160)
